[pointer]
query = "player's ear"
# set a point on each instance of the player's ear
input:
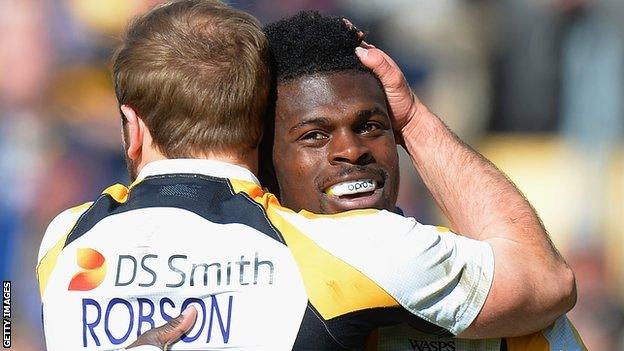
(134, 132)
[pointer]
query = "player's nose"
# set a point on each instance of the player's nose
(347, 147)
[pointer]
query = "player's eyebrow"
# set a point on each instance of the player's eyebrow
(315, 121)
(363, 114)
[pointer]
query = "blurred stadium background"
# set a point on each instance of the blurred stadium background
(535, 85)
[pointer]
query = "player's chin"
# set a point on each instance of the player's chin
(374, 199)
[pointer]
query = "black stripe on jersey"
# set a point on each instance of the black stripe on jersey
(353, 329)
(209, 197)
(314, 333)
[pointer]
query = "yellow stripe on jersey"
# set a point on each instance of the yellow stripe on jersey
(249, 188)
(334, 287)
(349, 290)
(351, 213)
(531, 342)
(81, 208)
(118, 192)
(48, 262)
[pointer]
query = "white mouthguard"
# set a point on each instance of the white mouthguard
(352, 187)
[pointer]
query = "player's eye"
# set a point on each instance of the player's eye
(370, 127)
(314, 135)
(314, 138)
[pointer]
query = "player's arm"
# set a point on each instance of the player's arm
(532, 283)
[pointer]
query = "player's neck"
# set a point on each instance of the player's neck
(249, 160)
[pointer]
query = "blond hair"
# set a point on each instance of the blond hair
(196, 72)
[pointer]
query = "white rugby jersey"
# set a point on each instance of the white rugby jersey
(261, 276)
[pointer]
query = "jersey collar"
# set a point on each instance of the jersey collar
(198, 166)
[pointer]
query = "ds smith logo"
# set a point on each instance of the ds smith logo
(94, 270)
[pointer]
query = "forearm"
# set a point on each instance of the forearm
(532, 284)
(477, 198)
(482, 203)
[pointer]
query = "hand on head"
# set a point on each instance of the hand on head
(403, 103)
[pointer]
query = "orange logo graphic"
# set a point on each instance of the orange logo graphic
(94, 266)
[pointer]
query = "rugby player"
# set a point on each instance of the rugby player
(291, 39)
(332, 87)
(195, 228)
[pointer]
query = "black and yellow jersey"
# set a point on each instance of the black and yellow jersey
(561, 335)
(262, 277)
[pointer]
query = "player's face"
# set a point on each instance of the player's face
(334, 148)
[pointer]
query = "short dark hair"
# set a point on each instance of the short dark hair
(309, 43)
(305, 44)
(196, 72)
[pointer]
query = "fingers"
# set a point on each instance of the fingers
(383, 66)
(401, 100)
(350, 25)
(174, 329)
(168, 333)
(367, 45)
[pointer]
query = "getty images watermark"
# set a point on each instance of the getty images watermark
(6, 314)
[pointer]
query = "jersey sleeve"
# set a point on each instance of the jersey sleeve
(433, 273)
(561, 335)
(53, 242)
(59, 227)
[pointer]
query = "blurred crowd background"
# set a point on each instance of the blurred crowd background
(535, 85)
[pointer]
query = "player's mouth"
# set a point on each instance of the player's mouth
(356, 194)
